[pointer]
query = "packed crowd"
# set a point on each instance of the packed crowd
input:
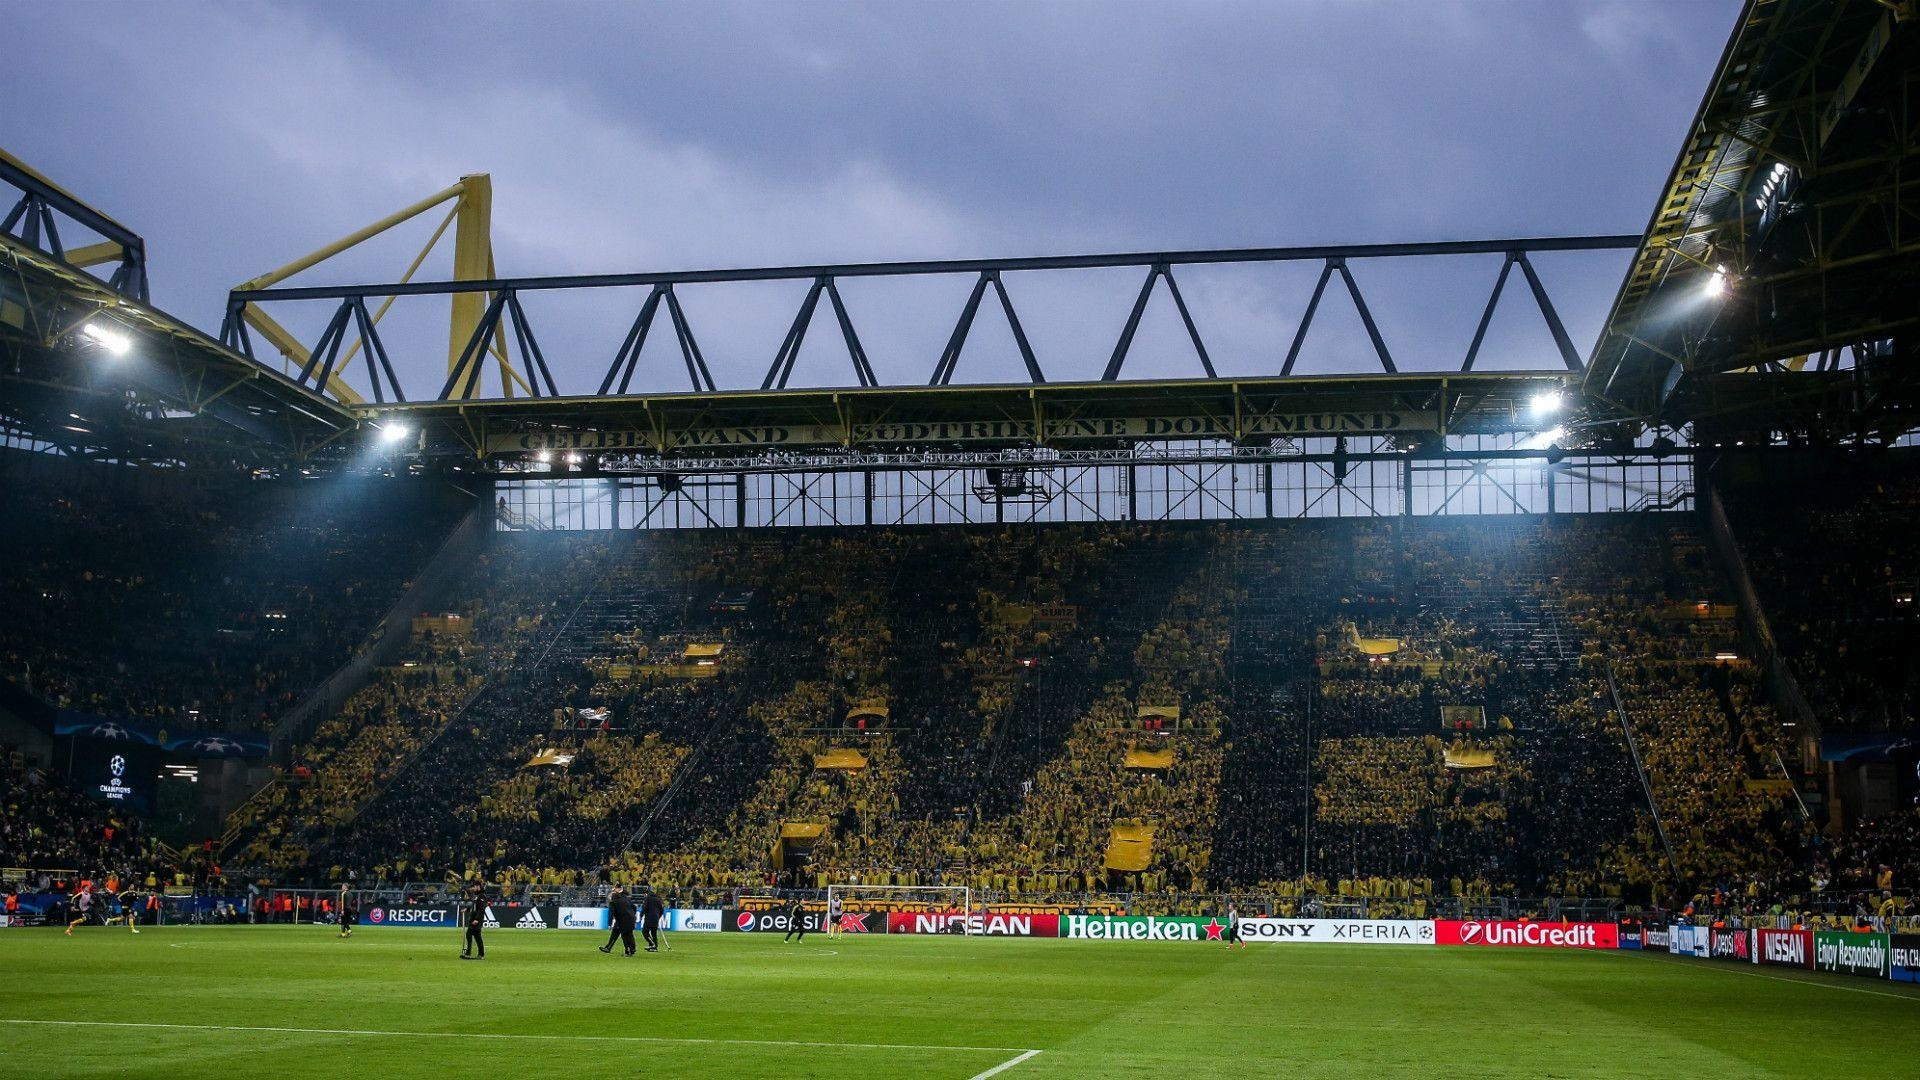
(194, 606)
(54, 831)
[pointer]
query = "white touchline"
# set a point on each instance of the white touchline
(1004, 1066)
(516, 1036)
(1796, 982)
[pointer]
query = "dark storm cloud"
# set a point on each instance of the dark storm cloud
(650, 137)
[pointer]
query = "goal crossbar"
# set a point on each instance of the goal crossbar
(961, 893)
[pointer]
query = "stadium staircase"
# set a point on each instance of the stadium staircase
(383, 643)
(1640, 769)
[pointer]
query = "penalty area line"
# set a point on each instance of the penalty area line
(522, 1037)
(1005, 1065)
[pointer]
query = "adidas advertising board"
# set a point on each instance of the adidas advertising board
(519, 917)
(1788, 948)
(1851, 954)
(1540, 935)
(1339, 931)
(1690, 941)
(1905, 957)
(993, 924)
(582, 918)
(694, 920)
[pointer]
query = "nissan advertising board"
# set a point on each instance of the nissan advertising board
(1543, 935)
(989, 925)
(1339, 931)
(1789, 948)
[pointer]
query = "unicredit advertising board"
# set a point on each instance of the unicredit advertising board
(1533, 934)
(1339, 931)
(1789, 948)
(989, 925)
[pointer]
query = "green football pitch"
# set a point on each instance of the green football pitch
(399, 1003)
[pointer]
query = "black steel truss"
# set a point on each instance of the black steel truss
(34, 221)
(504, 303)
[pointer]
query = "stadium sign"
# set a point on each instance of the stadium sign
(741, 921)
(1905, 957)
(583, 918)
(1339, 931)
(991, 925)
(1851, 954)
(1690, 941)
(1143, 928)
(1632, 936)
(519, 917)
(412, 916)
(1656, 939)
(1531, 934)
(1007, 430)
(1791, 948)
(694, 920)
(1728, 944)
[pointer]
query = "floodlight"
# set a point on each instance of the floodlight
(1717, 284)
(1546, 403)
(394, 432)
(114, 341)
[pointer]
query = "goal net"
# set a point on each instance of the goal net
(939, 909)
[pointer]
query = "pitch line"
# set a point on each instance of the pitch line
(1797, 982)
(522, 1037)
(1003, 1066)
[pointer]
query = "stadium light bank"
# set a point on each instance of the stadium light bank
(116, 342)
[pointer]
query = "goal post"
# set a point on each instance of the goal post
(927, 899)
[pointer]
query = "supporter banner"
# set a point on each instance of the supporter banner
(1632, 936)
(1690, 941)
(1143, 928)
(583, 918)
(735, 920)
(1339, 931)
(1905, 958)
(1057, 429)
(993, 924)
(694, 920)
(1851, 954)
(1656, 938)
(1534, 934)
(1728, 944)
(520, 917)
(1793, 948)
(413, 916)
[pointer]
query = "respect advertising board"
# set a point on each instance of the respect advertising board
(1632, 935)
(407, 915)
(1788, 948)
(1339, 931)
(1851, 954)
(992, 924)
(1726, 944)
(1905, 957)
(1540, 935)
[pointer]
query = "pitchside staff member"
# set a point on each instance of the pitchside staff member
(475, 946)
(796, 921)
(650, 922)
(620, 919)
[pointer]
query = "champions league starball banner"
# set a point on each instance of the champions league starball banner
(247, 744)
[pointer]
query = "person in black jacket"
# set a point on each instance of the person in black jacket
(474, 947)
(651, 912)
(620, 919)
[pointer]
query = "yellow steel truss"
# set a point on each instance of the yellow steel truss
(471, 217)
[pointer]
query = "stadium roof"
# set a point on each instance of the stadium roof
(1790, 222)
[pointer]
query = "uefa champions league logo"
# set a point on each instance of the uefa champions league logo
(117, 766)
